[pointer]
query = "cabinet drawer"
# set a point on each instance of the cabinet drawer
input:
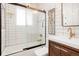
(68, 52)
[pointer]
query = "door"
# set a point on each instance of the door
(24, 28)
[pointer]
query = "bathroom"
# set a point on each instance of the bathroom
(40, 26)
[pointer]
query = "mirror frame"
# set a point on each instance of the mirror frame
(62, 20)
(51, 20)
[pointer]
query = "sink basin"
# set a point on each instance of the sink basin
(61, 39)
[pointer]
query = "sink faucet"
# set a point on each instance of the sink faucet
(71, 33)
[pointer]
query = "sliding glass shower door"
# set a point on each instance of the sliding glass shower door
(23, 28)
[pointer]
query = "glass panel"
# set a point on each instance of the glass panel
(29, 17)
(20, 16)
(24, 28)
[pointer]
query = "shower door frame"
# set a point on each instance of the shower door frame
(17, 4)
(0, 30)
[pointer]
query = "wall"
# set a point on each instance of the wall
(60, 31)
(63, 31)
(58, 28)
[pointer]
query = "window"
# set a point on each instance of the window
(29, 17)
(20, 16)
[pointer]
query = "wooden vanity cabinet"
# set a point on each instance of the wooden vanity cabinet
(53, 51)
(57, 49)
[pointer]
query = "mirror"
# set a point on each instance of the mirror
(51, 21)
(70, 14)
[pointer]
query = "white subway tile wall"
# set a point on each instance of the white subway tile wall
(22, 36)
(59, 30)
(20, 32)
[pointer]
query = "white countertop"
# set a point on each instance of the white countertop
(64, 40)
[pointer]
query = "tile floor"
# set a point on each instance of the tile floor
(30, 52)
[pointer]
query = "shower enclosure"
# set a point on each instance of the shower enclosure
(21, 27)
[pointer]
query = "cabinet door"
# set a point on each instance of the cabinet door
(73, 53)
(51, 53)
(54, 50)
